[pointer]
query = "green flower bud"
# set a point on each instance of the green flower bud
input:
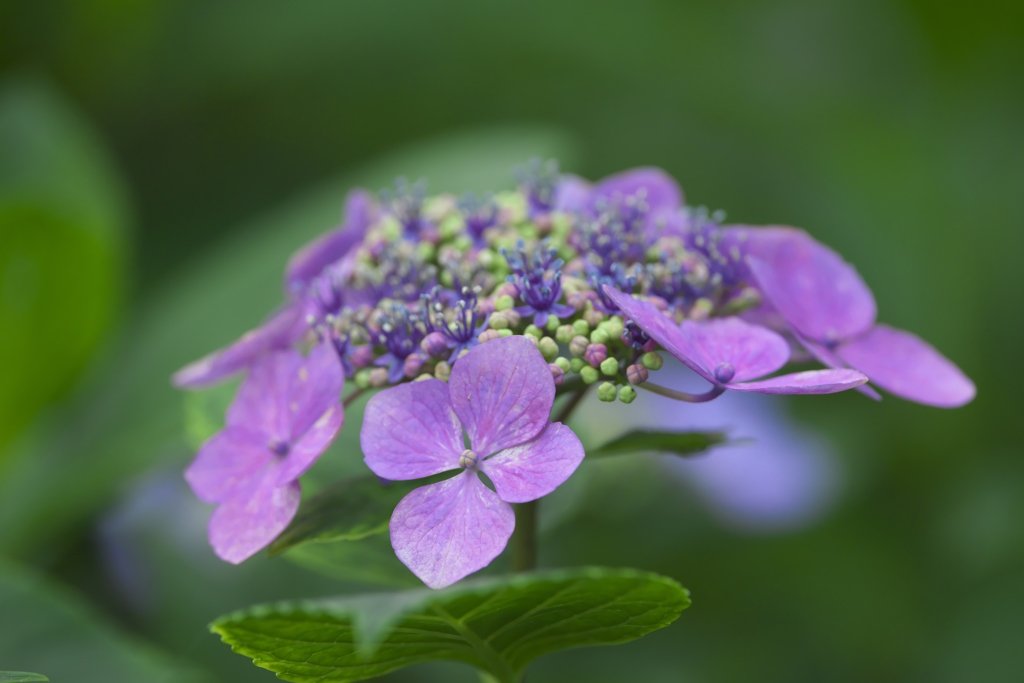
(497, 322)
(701, 309)
(614, 326)
(485, 257)
(533, 331)
(362, 378)
(504, 302)
(423, 377)
(588, 374)
(578, 346)
(599, 336)
(593, 316)
(610, 366)
(563, 363)
(627, 394)
(378, 377)
(651, 360)
(504, 333)
(577, 364)
(552, 323)
(548, 348)
(606, 392)
(581, 327)
(564, 334)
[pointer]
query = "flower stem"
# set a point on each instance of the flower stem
(712, 393)
(524, 539)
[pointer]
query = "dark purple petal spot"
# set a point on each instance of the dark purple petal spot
(279, 448)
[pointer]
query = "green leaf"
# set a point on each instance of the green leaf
(63, 239)
(683, 444)
(498, 625)
(369, 560)
(20, 677)
(46, 627)
(130, 419)
(347, 510)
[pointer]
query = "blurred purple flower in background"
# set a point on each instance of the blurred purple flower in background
(501, 393)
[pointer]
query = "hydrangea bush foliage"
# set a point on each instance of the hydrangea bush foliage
(478, 324)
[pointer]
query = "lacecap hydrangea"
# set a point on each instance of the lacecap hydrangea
(471, 314)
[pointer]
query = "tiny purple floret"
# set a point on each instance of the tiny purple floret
(731, 353)
(501, 394)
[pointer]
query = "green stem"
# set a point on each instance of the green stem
(524, 539)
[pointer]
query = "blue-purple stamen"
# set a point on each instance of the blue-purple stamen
(538, 180)
(538, 277)
(405, 202)
(479, 215)
(401, 331)
(463, 325)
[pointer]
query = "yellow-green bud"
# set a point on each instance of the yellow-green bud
(497, 322)
(563, 363)
(701, 309)
(599, 336)
(652, 360)
(533, 331)
(627, 394)
(443, 371)
(548, 348)
(564, 334)
(614, 327)
(362, 378)
(606, 392)
(581, 327)
(504, 302)
(578, 346)
(423, 377)
(577, 364)
(610, 366)
(588, 374)
(504, 333)
(552, 323)
(485, 257)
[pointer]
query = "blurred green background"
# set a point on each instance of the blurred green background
(159, 161)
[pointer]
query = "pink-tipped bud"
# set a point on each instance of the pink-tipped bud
(413, 365)
(595, 354)
(578, 300)
(506, 289)
(578, 345)
(435, 344)
(594, 317)
(512, 317)
(361, 356)
(557, 373)
(378, 377)
(488, 335)
(636, 374)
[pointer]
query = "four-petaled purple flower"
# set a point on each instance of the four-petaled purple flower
(832, 312)
(730, 353)
(286, 413)
(501, 394)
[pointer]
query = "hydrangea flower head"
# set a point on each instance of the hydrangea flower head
(286, 413)
(501, 394)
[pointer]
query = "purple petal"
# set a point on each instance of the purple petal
(226, 462)
(311, 445)
(410, 431)
(247, 522)
(312, 259)
(283, 329)
(314, 389)
(817, 292)
(904, 364)
(809, 382)
(658, 327)
(562, 310)
(572, 193)
(536, 468)
(261, 404)
(502, 392)
(829, 358)
(661, 190)
(445, 531)
(751, 350)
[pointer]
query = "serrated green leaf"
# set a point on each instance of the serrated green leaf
(683, 444)
(498, 625)
(20, 677)
(347, 510)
